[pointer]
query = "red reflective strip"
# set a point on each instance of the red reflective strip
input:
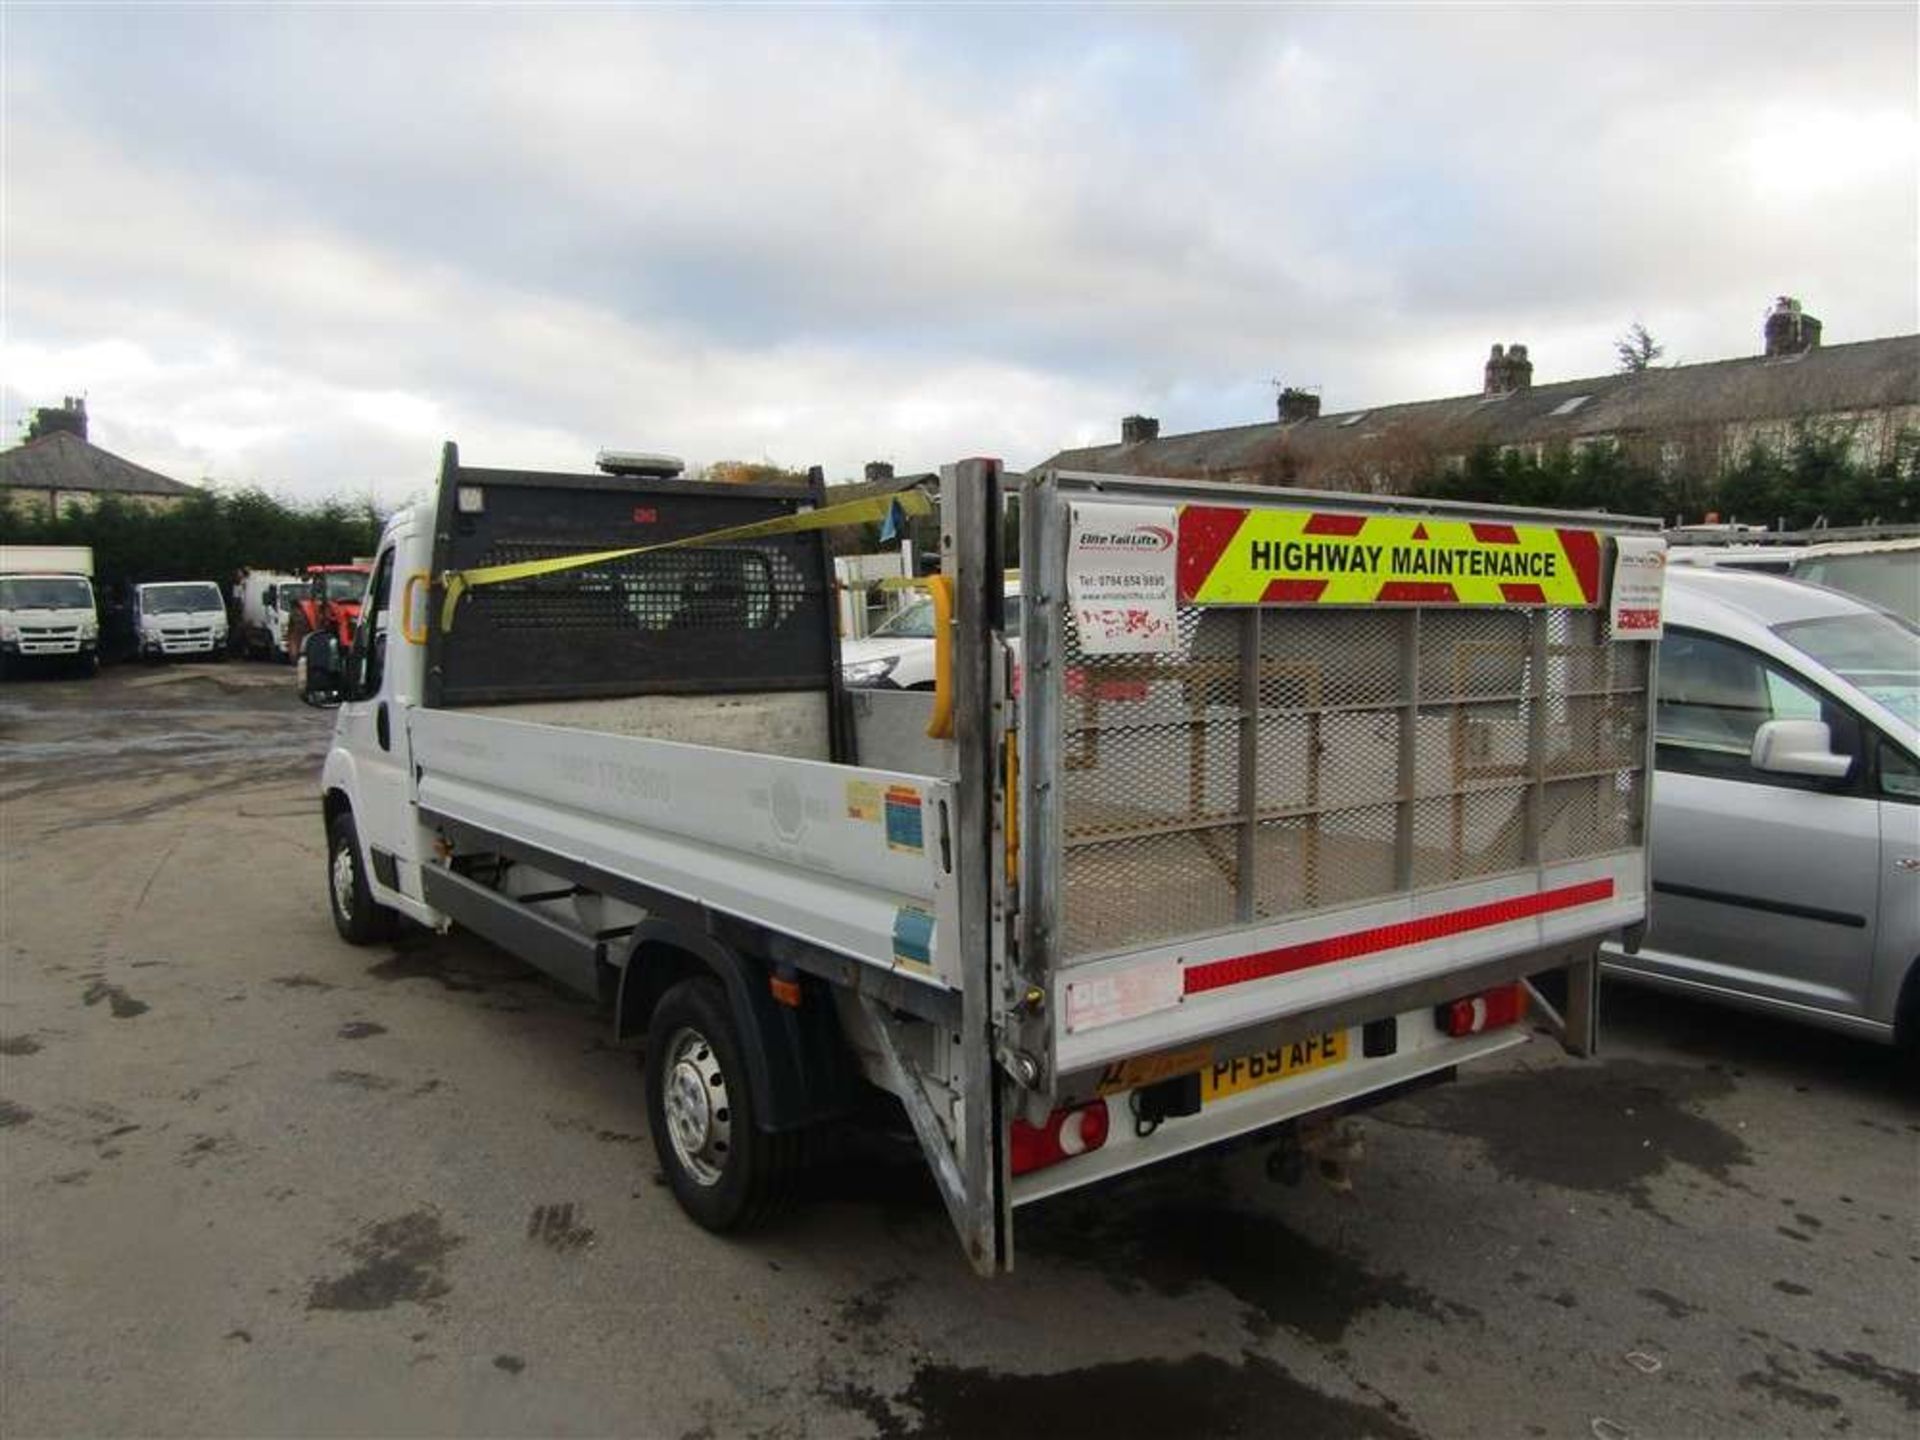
(1318, 524)
(1495, 534)
(1299, 592)
(1583, 553)
(1205, 533)
(1519, 592)
(1417, 592)
(1263, 964)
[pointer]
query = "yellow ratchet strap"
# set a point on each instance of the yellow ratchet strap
(940, 723)
(854, 512)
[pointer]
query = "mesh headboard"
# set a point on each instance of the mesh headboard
(750, 615)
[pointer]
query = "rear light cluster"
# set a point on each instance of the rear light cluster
(1504, 1005)
(1065, 1134)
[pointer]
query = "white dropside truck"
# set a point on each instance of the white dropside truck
(1285, 798)
(47, 610)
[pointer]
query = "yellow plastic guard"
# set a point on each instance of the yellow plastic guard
(940, 723)
(417, 580)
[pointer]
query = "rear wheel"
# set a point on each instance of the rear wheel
(726, 1172)
(358, 917)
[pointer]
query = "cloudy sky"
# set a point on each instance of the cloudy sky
(302, 246)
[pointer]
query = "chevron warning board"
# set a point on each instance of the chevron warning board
(1230, 555)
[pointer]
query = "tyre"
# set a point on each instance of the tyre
(358, 917)
(1906, 1029)
(88, 665)
(725, 1171)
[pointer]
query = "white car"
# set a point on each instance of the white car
(898, 655)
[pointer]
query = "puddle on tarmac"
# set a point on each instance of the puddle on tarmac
(1151, 1399)
(1283, 1278)
(1607, 1130)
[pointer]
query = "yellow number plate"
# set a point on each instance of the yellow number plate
(1264, 1067)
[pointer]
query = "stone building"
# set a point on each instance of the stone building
(1681, 420)
(60, 470)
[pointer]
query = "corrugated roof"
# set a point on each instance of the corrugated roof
(63, 461)
(1867, 375)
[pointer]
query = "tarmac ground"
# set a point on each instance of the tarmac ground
(255, 1181)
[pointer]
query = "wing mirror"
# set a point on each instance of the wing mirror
(1798, 747)
(321, 682)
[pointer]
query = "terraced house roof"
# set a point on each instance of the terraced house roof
(1864, 377)
(63, 461)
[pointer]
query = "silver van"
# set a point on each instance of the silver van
(1786, 806)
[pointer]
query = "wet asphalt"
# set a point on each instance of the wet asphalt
(254, 1181)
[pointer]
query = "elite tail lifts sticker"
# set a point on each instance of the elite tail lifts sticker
(1234, 556)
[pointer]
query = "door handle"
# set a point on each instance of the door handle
(382, 728)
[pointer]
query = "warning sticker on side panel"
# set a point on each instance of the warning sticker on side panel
(904, 828)
(863, 800)
(913, 939)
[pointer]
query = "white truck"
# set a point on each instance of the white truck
(1288, 796)
(179, 620)
(267, 604)
(47, 607)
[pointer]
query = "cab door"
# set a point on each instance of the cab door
(1764, 884)
(373, 724)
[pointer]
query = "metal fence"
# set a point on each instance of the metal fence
(1287, 760)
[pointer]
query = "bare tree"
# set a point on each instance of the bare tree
(1637, 349)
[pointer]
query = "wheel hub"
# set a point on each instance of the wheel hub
(343, 880)
(694, 1099)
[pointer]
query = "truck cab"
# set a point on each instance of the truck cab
(267, 602)
(179, 619)
(49, 616)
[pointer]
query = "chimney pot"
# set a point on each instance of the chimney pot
(1508, 369)
(1297, 404)
(1789, 329)
(1138, 429)
(70, 417)
(879, 470)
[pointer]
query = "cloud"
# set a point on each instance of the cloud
(303, 245)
